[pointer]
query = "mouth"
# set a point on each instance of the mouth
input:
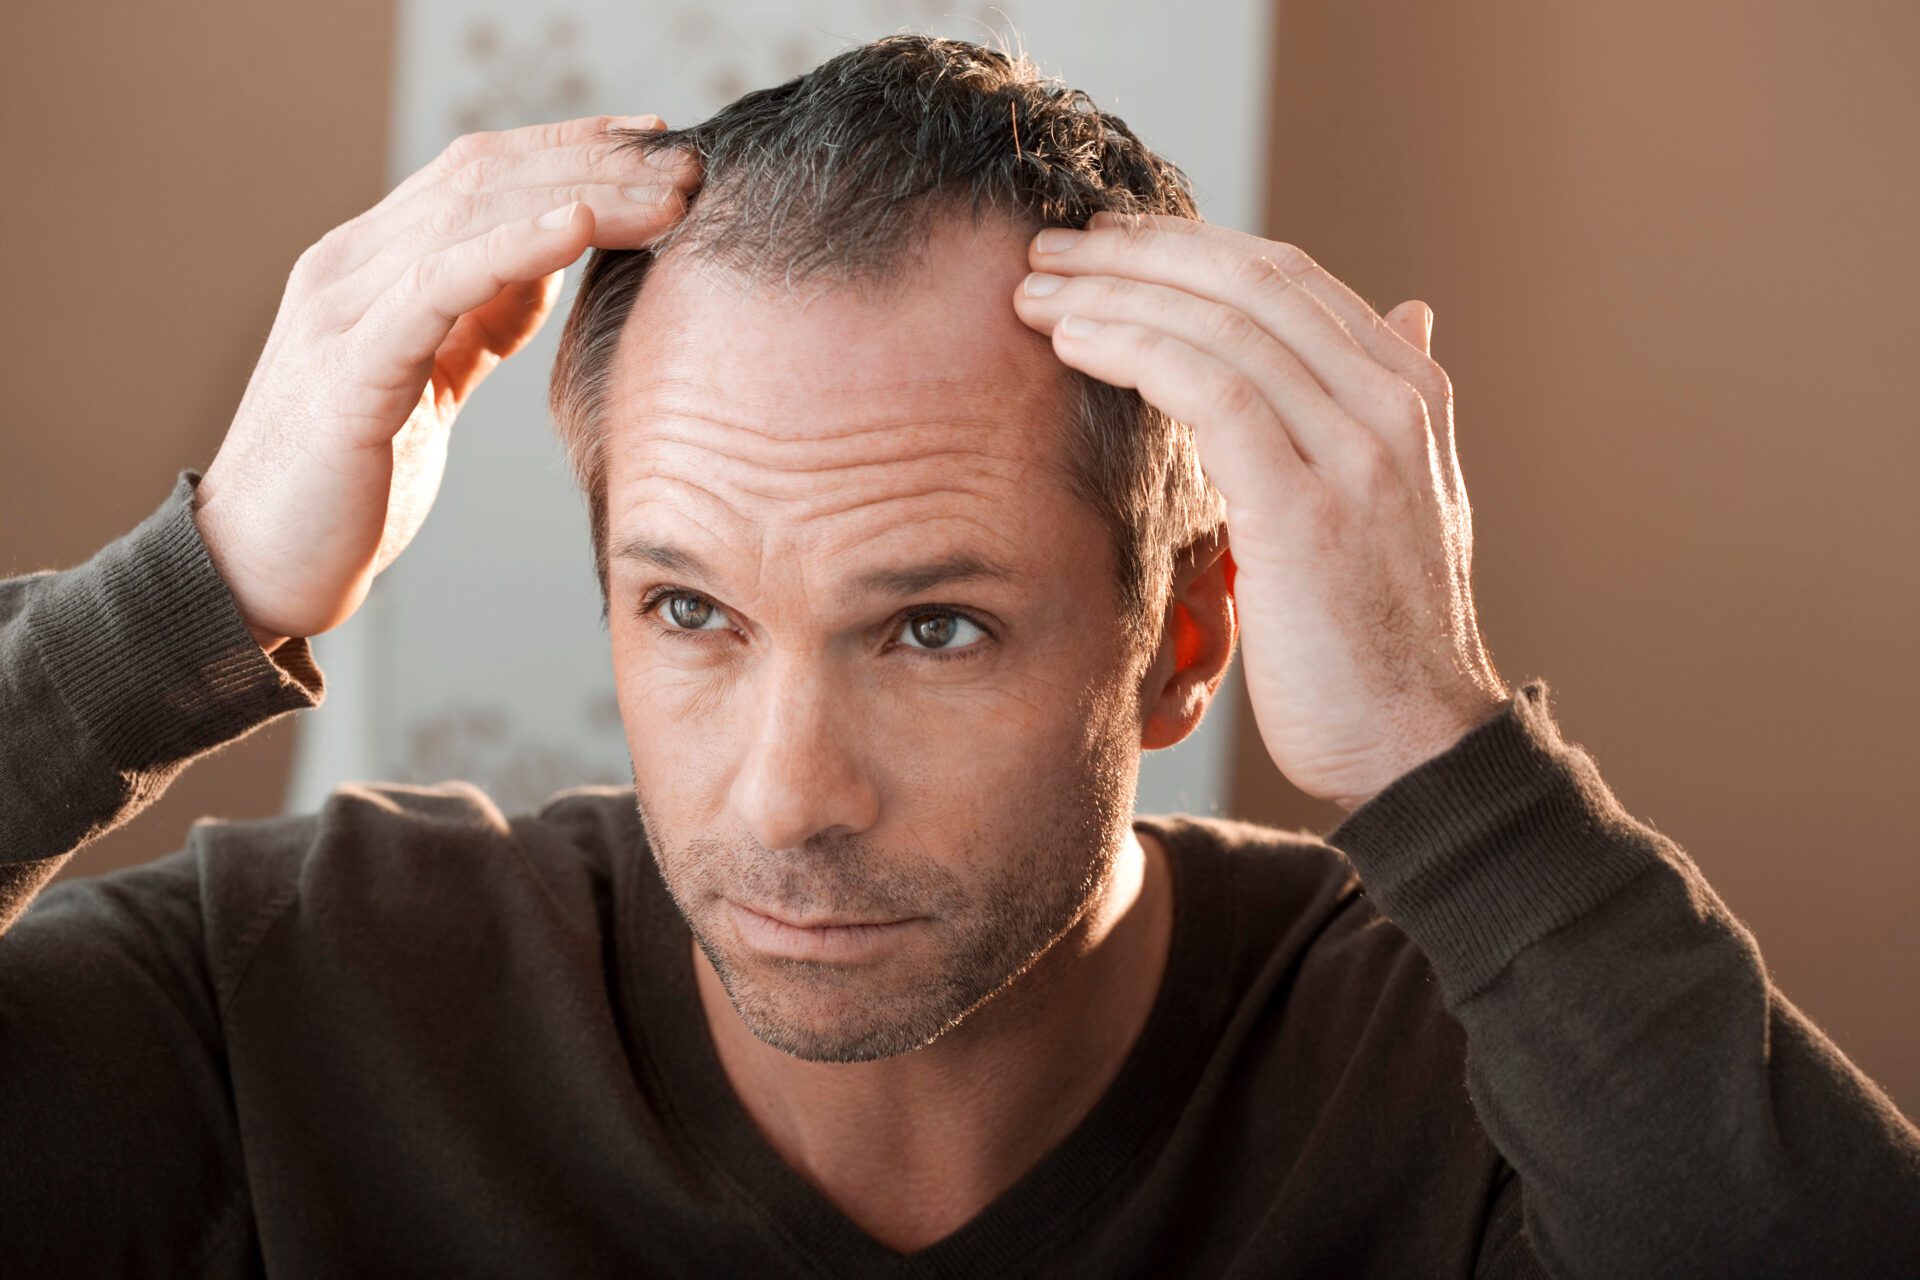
(820, 922)
(828, 938)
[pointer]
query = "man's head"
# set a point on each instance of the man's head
(887, 584)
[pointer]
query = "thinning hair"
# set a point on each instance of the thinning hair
(837, 176)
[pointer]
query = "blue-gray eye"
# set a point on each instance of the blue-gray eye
(691, 612)
(937, 630)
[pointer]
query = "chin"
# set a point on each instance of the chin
(826, 1013)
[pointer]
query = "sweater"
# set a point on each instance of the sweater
(1489, 1026)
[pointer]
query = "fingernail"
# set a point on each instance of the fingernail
(642, 122)
(554, 219)
(1040, 284)
(647, 195)
(1079, 326)
(1054, 239)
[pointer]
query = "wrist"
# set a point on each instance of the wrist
(1432, 742)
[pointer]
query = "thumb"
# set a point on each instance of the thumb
(1414, 322)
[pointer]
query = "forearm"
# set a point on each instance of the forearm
(114, 675)
(1669, 1111)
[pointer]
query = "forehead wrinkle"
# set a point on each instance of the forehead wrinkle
(987, 461)
(794, 468)
(995, 539)
(824, 488)
(917, 437)
(882, 500)
(656, 392)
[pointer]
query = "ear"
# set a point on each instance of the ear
(1196, 643)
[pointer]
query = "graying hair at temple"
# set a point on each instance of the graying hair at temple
(836, 176)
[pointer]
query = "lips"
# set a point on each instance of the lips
(828, 939)
(822, 922)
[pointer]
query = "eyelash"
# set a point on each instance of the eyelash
(659, 595)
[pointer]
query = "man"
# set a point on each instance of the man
(916, 413)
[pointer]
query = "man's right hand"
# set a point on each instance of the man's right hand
(387, 325)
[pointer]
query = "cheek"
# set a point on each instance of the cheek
(991, 762)
(680, 749)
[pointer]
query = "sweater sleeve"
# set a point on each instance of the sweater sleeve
(116, 674)
(1669, 1110)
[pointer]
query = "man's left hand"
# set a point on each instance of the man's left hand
(1329, 432)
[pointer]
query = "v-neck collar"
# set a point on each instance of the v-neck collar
(1046, 1203)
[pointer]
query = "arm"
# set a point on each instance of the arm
(119, 1151)
(1669, 1110)
(115, 674)
(113, 677)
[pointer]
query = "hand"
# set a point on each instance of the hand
(387, 325)
(1329, 432)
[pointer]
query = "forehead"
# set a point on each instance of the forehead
(923, 402)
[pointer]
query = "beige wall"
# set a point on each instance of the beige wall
(165, 166)
(1672, 253)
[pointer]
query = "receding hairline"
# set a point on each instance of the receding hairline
(838, 168)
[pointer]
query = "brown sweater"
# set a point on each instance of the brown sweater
(409, 1034)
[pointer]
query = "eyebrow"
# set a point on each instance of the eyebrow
(905, 580)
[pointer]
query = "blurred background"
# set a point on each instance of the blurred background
(1670, 249)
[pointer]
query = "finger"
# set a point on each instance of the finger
(1320, 428)
(1413, 322)
(494, 330)
(624, 217)
(1264, 285)
(1237, 433)
(548, 136)
(396, 339)
(1389, 347)
(441, 208)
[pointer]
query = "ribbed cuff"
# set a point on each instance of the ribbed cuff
(1489, 846)
(146, 646)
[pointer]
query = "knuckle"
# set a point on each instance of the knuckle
(1147, 341)
(596, 154)
(467, 147)
(321, 260)
(476, 175)
(416, 279)
(308, 270)
(1408, 407)
(1231, 393)
(451, 217)
(557, 133)
(1292, 259)
(496, 243)
(1256, 272)
(1227, 327)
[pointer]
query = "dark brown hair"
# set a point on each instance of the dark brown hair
(837, 176)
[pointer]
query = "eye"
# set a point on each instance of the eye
(941, 630)
(690, 612)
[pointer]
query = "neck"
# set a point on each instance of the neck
(913, 1146)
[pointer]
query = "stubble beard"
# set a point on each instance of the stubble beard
(1050, 867)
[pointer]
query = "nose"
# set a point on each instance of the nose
(803, 774)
